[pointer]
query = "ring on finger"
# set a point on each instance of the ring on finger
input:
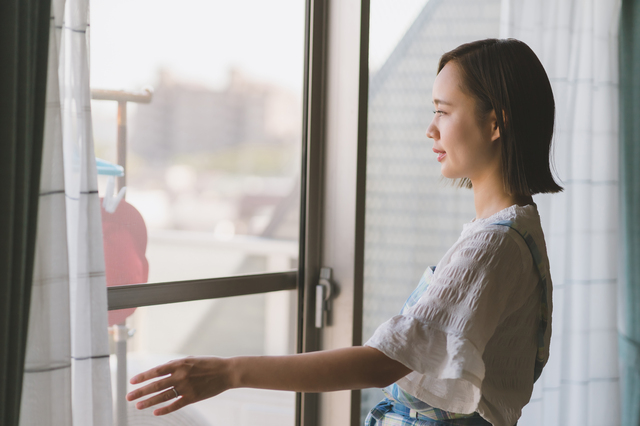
(175, 392)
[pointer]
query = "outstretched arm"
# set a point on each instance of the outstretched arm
(196, 379)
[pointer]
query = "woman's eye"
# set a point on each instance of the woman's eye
(438, 112)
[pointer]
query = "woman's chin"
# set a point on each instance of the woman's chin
(448, 173)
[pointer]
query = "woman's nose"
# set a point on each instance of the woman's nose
(432, 131)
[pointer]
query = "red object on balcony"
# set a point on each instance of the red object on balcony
(124, 235)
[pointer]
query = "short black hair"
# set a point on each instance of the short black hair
(507, 77)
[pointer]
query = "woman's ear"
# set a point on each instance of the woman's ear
(495, 128)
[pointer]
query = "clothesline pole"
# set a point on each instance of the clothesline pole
(120, 331)
(122, 97)
(122, 142)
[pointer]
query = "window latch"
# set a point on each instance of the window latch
(325, 291)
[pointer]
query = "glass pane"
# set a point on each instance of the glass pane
(212, 150)
(260, 324)
(412, 216)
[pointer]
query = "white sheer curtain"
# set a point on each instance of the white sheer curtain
(67, 378)
(577, 42)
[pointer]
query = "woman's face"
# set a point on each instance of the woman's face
(465, 147)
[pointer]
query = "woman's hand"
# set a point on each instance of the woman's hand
(193, 379)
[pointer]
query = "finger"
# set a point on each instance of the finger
(178, 404)
(165, 396)
(161, 370)
(152, 387)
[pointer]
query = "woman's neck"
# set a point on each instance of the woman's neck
(490, 197)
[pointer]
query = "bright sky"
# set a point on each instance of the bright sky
(200, 39)
(389, 21)
(196, 39)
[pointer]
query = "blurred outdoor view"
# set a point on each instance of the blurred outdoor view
(204, 100)
(213, 159)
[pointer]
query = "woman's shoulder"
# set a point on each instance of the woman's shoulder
(488, 240)
(525, 217)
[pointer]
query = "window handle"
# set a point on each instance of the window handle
(325, 291)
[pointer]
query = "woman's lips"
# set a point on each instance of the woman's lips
(441, 154)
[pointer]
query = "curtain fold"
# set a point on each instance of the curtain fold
(24, 31)
(66, 378)
(629, 340)
(577, 41)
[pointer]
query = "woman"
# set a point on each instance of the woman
(473, 337)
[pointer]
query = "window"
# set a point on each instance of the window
(331, 184)
(197, 112)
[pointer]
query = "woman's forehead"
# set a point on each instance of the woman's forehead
(447, 85)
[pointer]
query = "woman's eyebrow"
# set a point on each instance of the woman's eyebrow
(440, 102)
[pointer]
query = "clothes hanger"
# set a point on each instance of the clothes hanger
(110, 202)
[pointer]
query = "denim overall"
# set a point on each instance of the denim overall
(399, 408)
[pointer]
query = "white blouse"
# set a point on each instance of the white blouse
(471, 339)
